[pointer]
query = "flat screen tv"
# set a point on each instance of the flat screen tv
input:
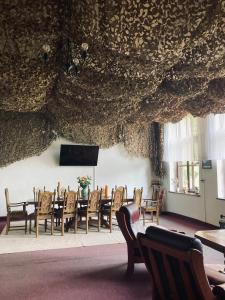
(78, 155)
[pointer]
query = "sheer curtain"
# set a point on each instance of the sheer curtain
(183, 140)
(221, 178)
(214, 139)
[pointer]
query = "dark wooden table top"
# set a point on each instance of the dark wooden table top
(213, 238)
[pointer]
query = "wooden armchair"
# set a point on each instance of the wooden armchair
(175, 263)
(44, 210)
(110, 209)
(15, 215)
(153, 206)
(68, 210)
(92, 209)
(129, 224)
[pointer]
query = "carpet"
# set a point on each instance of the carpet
(96, 272)
(18, 241)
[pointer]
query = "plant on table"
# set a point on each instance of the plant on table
(84, 182)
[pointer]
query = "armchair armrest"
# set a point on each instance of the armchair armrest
(150, 202)
(219, 290)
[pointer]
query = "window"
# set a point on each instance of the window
(184, 177)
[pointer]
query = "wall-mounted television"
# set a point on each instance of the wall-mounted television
(78, 155)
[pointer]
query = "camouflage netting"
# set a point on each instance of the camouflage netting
(146, 61)
(23, 135)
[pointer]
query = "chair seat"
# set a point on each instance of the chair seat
(17, 214)
(106, 209)
(40, 216)
(84, 212)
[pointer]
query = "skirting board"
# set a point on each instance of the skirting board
(188, 219)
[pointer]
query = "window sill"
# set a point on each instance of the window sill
(188, 194)
(223, 199)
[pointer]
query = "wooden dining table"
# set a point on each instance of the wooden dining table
(59, 202)
(213, 238)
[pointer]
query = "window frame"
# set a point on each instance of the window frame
(190, 177)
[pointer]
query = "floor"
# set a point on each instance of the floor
(79, 272)
(17, 241)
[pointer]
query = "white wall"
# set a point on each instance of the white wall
(207, 207)
(115, 167)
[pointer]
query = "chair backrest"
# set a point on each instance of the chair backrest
(36, 190)
(128, 220)
(124, 189)
(94, 200)
(175, 262)
(138, 196)
(117, 198)
(46, 202)
(161, 196)
(35, 193)
(7, 199)
(70, 202)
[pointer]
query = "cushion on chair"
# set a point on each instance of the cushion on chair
(176, 240)
(131, 213)
(17, 215)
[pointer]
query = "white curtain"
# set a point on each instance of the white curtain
(195, 139)
(183, 140)
(221, 178)
(214, 140)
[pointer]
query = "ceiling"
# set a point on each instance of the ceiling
(146, 61)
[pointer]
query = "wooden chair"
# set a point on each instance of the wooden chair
(137, 197)
(92, 209)
(68, 210)
(61, 190)
(110, 209)
(15, 215)
(44, 210)
(175, 263)
(128, 221)
(153, 207)
(124, 190)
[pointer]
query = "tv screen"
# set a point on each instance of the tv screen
(78, 155)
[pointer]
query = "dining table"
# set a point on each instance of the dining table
(81, 202)
(214, 239)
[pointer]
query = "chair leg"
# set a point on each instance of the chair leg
(99, 221)
(30, 225)
(26, 225)
(157, 216)
(86, 225)
(7, 225)
(46, 224)
(110, 223)
(52, 224)
(87, 217)
(37, 227)
(75, 224)
(62, 226)
(130, 263)
(152, 216)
